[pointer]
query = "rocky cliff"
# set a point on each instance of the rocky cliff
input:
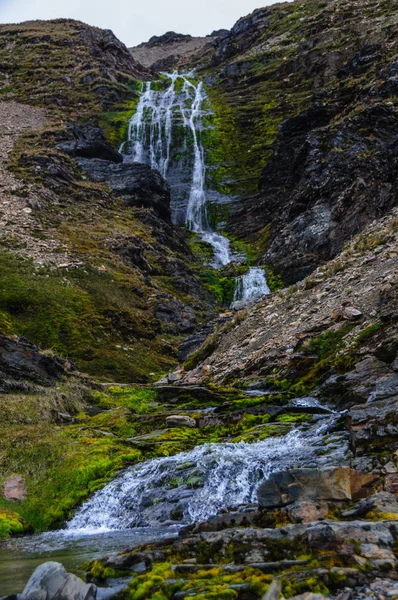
(305, 93)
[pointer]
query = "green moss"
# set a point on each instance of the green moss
(328, 343)
(295, 587)
(12, 523)
(115, 124)
(86, 315)
(368, 332)
(294, 418)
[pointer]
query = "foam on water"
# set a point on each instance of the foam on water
(229, 475)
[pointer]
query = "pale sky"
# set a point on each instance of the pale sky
(135, 21)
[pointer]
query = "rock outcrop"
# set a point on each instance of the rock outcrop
(308, 126)
(136, 183)
(21, 361)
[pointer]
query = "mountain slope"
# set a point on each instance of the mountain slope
(97, 275)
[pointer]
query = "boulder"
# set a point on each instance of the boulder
(180, 421)
(331, 483)
(50, 581)
(136, 183)
(14, 489)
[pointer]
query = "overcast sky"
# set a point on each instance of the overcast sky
(135, 21)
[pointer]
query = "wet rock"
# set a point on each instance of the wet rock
(50, 581)
(136, 183)
(134, 561)
(330, 483)
(14, 489)
(180, 421)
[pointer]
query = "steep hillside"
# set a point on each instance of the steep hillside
(97, 275)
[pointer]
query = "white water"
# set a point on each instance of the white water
(150, 140)
(229, 475)
(251, 286)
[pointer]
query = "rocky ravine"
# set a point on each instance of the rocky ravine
(329, 529)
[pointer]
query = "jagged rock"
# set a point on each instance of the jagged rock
(50, 581)
(14, 489)
(136, 183)
(330, 483)
(89, 141)
(351, 313)
(374, 423)
(180, 421)
(371, 380)
(20, 360)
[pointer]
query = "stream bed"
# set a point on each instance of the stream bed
(20, 556)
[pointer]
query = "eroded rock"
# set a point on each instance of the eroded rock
(180, 421)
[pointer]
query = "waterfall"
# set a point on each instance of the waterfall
(150, 139)
(150, 135)
(251, 286)
(196, 485)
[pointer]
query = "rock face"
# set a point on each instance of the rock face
(136, 183)
(330, 483)
(88, 141)
(309, 164)
(14, 489)
(50, 581)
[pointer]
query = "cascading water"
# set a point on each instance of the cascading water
(251, 286)
(196, 485)
(150, 140)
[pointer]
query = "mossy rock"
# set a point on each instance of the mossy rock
(12, 524)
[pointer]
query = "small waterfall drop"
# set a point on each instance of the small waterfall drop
(251, 286)
(200, 483)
